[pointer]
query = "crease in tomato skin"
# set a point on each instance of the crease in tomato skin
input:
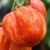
(19, 36)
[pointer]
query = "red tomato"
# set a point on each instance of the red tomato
(25, 26)
(4, 41)
(39, 6)
(15, 47)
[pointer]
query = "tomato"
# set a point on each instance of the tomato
(15, 47)
(25, 26)
(4, 41)
(39, 6)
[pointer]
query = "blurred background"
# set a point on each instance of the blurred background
(5, 7)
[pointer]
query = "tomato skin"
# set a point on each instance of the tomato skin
(4, 41)
(25, 26)
(15, 47)
(39, 6)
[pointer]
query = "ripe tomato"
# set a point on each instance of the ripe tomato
(4, 41)
(39, 6)
(25, 26)
(15, 47)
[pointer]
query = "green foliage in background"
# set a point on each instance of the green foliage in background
(47, 38)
